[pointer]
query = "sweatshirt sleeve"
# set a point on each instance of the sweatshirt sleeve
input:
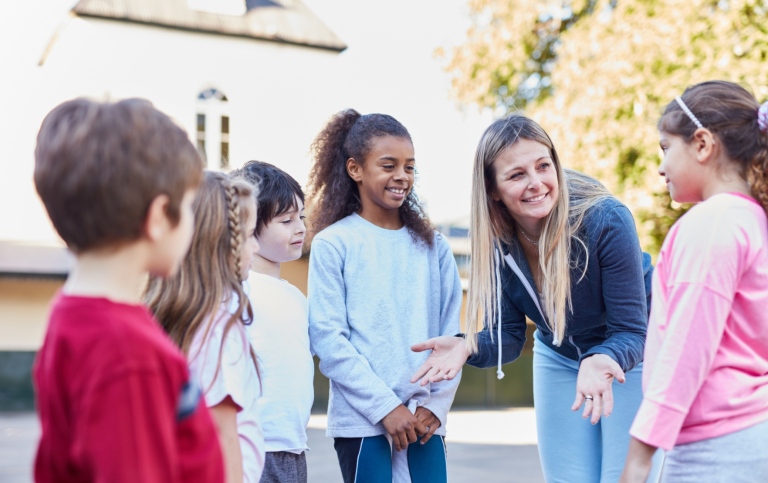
(329, 332)
(623, 288)
(704, 267)
(442, 393)
(513, 325)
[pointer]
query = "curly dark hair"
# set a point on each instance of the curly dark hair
(332, 194)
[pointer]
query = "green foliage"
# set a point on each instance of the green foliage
(596, 74)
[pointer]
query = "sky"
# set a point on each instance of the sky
(390, 67)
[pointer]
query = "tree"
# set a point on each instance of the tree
(596, 74)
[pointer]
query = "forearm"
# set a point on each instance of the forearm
(625, 347)
(352, 375)
(225, 416)
(488, 347)
(638, 463)
(441, 397)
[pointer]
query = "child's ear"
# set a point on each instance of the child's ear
(354, 170)
(704, 142)
(156, 223)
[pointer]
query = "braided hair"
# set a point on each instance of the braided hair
(210, 275)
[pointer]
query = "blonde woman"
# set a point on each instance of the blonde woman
(556, 247)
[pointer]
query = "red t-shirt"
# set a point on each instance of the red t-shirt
(116, 402)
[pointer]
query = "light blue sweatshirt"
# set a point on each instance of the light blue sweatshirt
(373, 293)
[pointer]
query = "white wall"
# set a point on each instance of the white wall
(275, 90)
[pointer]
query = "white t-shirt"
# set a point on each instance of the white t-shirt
(280, 337)
(236, 377)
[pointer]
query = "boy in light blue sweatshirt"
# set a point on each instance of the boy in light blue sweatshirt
(380, 279)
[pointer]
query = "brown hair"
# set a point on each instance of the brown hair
(729, 111)
(332, 194)
(210, 273)
(99, 165)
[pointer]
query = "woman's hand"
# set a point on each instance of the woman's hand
(593, 386)
(446, 360)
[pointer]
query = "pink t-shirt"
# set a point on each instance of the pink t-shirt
(706, 355)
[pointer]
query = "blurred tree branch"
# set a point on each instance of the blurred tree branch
(597, 74)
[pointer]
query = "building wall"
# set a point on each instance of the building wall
(23, 314)
(269, 86)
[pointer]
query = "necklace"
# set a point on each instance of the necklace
(532, 242)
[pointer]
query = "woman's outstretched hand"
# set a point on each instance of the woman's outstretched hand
(593, 386)
(446, 360)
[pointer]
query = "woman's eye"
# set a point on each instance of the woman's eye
(544, 166)
(516, 176)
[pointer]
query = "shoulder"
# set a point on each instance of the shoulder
(111, 338)
(440, 243)
(723, 220)
(609, 216)
(339, 230)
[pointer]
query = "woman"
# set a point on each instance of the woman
(556, 247)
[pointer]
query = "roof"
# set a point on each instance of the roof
(286, 21)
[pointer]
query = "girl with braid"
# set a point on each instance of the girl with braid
(380, 279)
(705, 384)
(205, 310)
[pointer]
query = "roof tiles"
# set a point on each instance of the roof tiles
(287, 21)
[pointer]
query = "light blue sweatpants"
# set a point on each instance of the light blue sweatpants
(570, 447)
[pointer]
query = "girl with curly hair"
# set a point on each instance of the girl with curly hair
(380, 279)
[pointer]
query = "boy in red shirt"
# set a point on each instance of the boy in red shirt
(113, 393)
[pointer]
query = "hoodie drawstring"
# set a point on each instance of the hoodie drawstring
(499, 372)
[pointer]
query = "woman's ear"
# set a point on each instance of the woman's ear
(705, 144)
(354, 170)
(156, 223)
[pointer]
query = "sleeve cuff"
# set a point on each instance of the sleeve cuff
(385, 409)
(657, 425)
(605, 351)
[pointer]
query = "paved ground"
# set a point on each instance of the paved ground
(487, 446)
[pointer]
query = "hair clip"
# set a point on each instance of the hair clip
(762, 117)
(688, 112)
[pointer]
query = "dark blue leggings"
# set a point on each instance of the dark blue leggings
(369, 460)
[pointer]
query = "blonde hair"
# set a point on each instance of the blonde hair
(491, 225)
(210, 273)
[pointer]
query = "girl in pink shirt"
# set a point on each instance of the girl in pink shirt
(706, 355)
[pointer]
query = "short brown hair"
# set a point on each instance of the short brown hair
(99, 165)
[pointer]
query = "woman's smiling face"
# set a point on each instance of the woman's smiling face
(526, 183)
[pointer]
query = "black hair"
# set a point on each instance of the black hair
(277, 191)
(333, 193)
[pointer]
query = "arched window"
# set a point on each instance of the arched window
(213, 128)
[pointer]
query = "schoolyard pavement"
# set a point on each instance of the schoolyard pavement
(488, 446)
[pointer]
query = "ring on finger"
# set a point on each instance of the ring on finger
(588, 398)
